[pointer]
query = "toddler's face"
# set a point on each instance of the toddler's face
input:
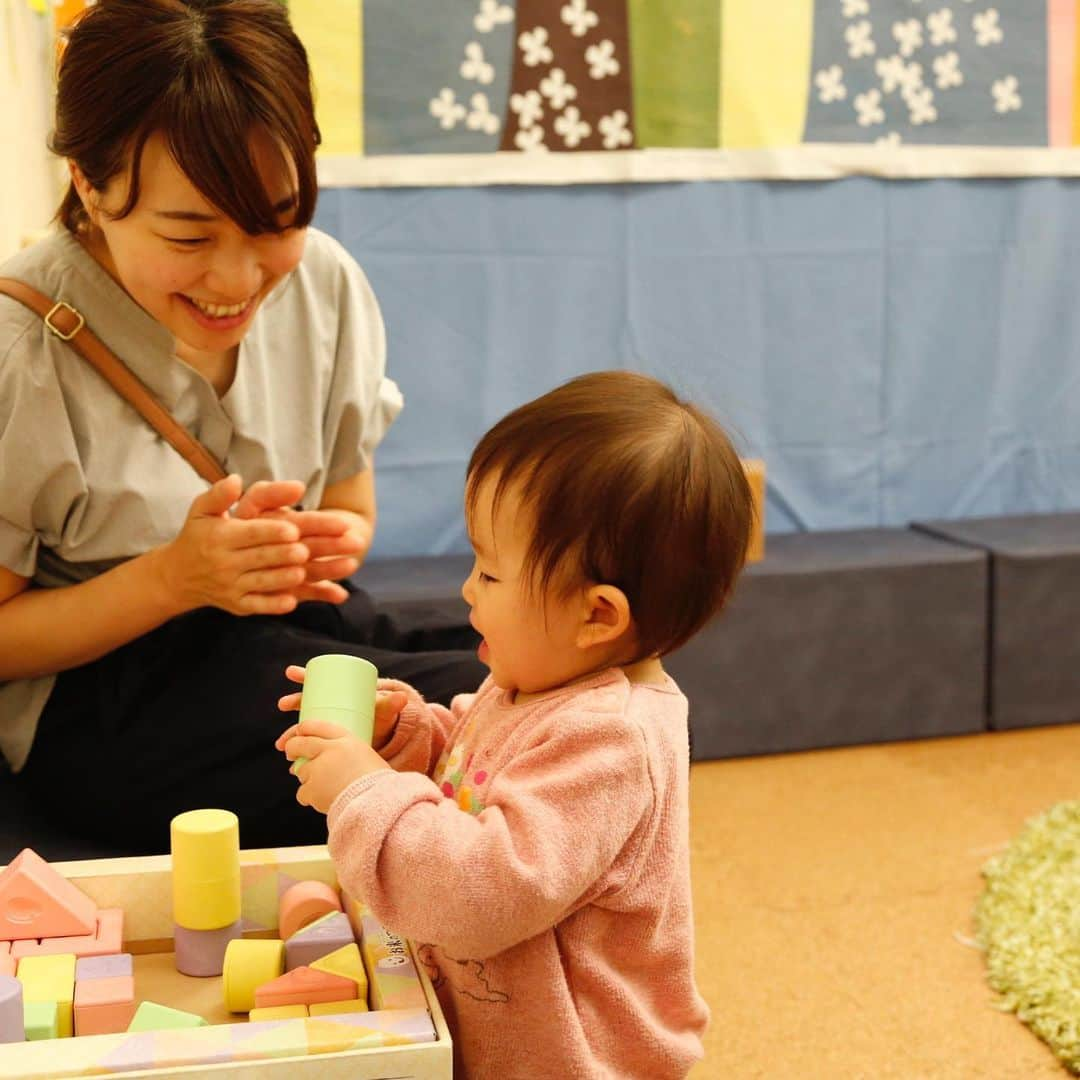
(530, 637)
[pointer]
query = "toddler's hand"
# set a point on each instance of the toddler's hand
(335, 758)
(388, 705)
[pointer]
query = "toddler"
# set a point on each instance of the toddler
(533, 838)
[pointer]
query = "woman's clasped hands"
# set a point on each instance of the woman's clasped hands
(251, 553)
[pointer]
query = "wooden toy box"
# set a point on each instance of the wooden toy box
(362, 1046)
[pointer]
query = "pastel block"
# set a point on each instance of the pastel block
(106, 940)
(303, 987)
(206, 880)
(150, 1016)
(348, 962)
(104, 1005)
(12, 1027)
(393, 982)
(7, 964)
(320, 938)
(249, 963)
(103, 967)
(202, 952)
(278, 1012)
(51, 978)
(336, 1008)
(41, 1020)
(37, 902)
(303, 903)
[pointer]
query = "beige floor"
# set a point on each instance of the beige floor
(831, 889)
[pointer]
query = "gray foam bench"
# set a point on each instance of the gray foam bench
(1035, 588)
(834, 638)
(839, 638)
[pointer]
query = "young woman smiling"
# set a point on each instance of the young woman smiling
(139, 607)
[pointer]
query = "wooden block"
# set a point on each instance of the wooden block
(320, 938)
(41, 1020)
(202, 952)
(106, 940)
(279, 1012)
(36, 902)
(303, 903)
(304, 986)
(12, 1027)
(104, 1005)
(393, 982)
(348, 962)
(103, 967)
(755, 474)
(8, 963)
(51, 978)
(329, 1008)
(150, 1016)
(249, 963)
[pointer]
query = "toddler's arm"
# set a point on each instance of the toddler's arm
(562, 824)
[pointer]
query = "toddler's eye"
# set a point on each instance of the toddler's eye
(484, 577)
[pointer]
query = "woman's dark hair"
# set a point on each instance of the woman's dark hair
(629, 486)
(206, 74)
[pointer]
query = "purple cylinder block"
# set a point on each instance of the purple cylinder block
(202, 952)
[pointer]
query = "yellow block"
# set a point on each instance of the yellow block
(345, 961)
(755, 474)
(51, 978)
(332, 33)
(249, 962)
(205, 869)
(329, 1008)
(279, 1012)
(765, 54)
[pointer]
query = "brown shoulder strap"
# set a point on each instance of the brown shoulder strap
(68, 325)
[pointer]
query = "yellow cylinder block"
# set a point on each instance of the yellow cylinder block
(250, 962)
(205, 869)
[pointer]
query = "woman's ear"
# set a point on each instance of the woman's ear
(606, 616)
(84, 189)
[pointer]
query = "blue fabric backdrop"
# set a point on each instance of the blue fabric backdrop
(893, 350)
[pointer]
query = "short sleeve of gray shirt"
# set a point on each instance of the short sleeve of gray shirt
(85, 482)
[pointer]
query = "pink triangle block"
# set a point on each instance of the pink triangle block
(36, 902)
(304, 986)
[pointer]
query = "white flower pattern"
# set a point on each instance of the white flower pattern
(492, 14)
(601, 59)
(615, 130)
(578, 17)
(535, 48)
(474, 67)
(830, 84)
(572, 127)
(557, 90)
(446, 109)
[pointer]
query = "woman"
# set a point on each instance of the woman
(145, 618)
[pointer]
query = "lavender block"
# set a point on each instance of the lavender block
(12, 1028)
(103, 967)
(202, 952)
(318, 939)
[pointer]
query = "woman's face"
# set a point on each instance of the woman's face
(186, 264)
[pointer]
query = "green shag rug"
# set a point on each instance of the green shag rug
(1028, 922)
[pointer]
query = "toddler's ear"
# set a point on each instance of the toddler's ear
(606, 616)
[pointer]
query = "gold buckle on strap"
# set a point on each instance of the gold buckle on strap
(80, 322)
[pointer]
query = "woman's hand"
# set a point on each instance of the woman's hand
(335, 549)
(388, 705)
(335, 758)
(256, 566)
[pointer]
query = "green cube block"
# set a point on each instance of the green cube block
(150, 1016)
(41, 1019)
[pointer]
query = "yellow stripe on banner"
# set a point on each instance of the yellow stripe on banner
(332, 33)
(765, 56)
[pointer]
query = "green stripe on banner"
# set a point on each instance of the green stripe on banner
(676, 71)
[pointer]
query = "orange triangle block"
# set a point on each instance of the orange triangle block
(37, 902)
(304, 986)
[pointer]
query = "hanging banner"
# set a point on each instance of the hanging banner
(576, 91)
